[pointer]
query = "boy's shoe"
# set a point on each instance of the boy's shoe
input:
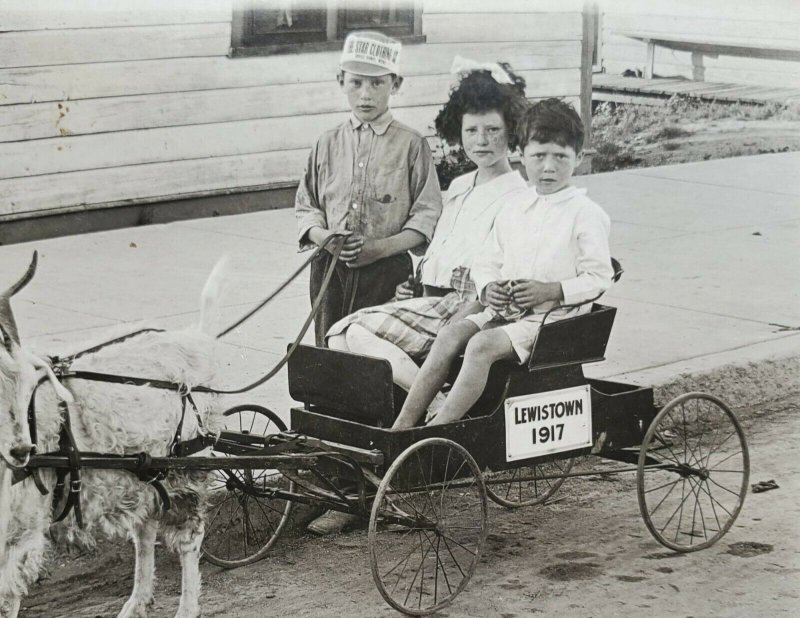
(332, 522)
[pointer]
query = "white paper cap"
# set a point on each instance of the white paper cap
(370, 53)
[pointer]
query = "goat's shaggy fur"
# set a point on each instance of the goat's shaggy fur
(111, 418)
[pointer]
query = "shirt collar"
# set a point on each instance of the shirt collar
(499, 184)
(379, 125)
(565, 194)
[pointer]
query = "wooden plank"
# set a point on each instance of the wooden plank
(587, 51)
(43, 120)
(712, 28)
(59, 47)
(101, 150)
(708, 9)
(536, 27)
(437, 7)
(148, 182)
(154, 181)
(56, 14)
(620, 49)
(82, 81)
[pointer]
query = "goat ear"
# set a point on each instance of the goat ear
(8, 326)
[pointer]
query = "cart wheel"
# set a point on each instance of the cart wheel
(243, 521)
(428, 526)
(527, 485)
(693, 472)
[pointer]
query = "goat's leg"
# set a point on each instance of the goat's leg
(189, 552)
(144, 538)
(9, 607)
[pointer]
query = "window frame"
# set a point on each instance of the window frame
(334, 33)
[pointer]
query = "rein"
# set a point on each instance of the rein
(70, 457)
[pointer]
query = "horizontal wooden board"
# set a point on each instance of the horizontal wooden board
(58, 14)
(768, 10)
(513, 27)
(60, 47)
(86, 81)
(718, 28)
(617, 51)
(45, 120)
(146, 182)
(85, 152)
(20, 197)
(434, 7)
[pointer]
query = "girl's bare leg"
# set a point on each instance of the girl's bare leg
(482, 350)
(451, 341)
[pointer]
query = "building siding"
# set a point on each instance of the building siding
(138, 103)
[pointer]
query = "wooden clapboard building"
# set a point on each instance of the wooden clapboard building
(119, 112)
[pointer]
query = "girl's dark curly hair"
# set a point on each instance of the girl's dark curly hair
(478, 93)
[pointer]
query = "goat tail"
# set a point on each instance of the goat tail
(211, 297)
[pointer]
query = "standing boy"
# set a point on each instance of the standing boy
(372, 177)
(548, 247)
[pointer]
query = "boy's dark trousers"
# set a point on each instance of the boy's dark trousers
(370, 285)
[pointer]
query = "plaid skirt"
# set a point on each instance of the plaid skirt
(413, 324)
(410, 324)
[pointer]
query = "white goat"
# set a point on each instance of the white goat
(106, 418)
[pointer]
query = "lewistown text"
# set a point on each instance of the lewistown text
(560, 409)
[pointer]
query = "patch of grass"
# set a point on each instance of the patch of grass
(669, 132)
(620, 132)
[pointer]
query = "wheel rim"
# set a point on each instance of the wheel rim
(243, 521)
(427, 527)
(527, 485)
(693, 502)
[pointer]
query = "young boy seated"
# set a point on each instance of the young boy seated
(548, 247)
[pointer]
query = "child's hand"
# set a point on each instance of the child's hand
(351, 249)
(405, 290)
(528, 293)
(368, 251)
(497, 295)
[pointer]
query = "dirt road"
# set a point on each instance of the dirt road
(588, 554)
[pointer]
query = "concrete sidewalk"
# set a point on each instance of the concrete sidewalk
(711, 285)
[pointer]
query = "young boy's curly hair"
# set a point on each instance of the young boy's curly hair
(479, 93)
(551, 120)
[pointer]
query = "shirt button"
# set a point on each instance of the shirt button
(361, 164)
(355, 205)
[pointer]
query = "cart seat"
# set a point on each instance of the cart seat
(343, 385)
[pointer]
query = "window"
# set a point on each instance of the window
(262, 27)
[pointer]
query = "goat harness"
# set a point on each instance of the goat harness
(68, 461)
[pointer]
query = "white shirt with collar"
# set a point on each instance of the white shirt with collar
(467, 216)
(562, 237)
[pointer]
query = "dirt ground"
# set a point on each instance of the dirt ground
(586, 554)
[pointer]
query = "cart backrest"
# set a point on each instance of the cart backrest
(580, 339)
(343, 385)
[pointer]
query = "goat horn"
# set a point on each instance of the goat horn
(25, 278)
(8, 326)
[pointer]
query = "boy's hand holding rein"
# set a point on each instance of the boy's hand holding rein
(528, 293)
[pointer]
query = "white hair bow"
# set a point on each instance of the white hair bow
(462, 66)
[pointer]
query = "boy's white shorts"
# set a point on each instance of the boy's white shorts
(522, 332)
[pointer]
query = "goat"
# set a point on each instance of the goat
(106, 418)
